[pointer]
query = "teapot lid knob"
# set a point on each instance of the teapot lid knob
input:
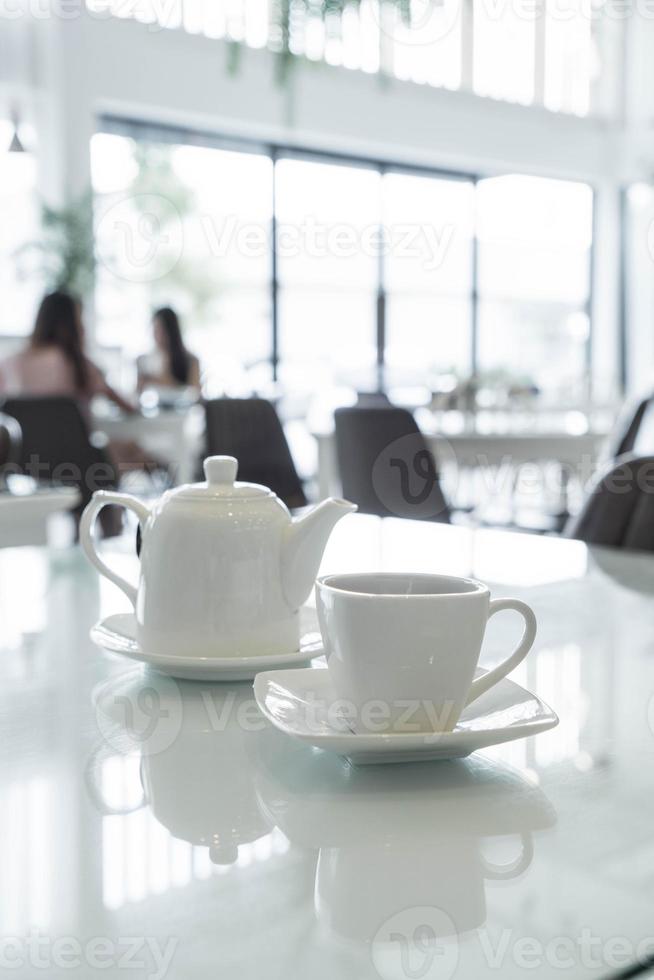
(220, 470)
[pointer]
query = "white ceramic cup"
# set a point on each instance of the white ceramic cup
(402, 649)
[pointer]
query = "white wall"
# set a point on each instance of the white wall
(125, 67)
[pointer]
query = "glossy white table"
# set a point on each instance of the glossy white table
(148, 819)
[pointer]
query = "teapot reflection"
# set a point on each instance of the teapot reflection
(195, 742)
(392, 838)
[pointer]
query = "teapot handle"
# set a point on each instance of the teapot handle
(101, 499)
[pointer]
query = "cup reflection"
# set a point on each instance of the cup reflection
(393, 838)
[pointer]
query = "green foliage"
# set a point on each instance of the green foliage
(159, 190)
(156, 177)
(64, 256)
(282, 11)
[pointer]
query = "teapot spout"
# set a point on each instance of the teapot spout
(305, 542)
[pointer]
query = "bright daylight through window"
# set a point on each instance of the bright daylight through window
(355, 244)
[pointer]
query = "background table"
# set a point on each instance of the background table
(174, 436)
(24, 517)
(135, 806)
(461, 452)
(576, 454)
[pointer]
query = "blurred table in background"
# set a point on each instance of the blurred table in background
(24, 517)
(174, 436)
(575, 453)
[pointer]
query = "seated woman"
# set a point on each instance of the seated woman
(54, 363)
(170, 365)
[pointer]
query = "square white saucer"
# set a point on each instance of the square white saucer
(297, 703)
(118, 635)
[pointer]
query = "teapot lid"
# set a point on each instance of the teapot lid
(220, 473)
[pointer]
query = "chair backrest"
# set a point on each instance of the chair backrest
(10, 440)
(385, 464)
(56, 446)
(250, 430)
(619, 509)
(373, 399)
(634, 430)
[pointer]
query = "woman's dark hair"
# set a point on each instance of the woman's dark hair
(180, 361)
(58, 325)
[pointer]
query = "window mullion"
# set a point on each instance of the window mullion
(540, 42)
(474, 297)
(381, 290)
(274, 276)
(467, 45)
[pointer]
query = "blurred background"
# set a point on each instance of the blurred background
(446, 202)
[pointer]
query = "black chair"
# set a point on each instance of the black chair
(10, 446)
(633, 431)
(386, 466)
(373, 399)
(56, 448)
(250, 430)
(619, 510)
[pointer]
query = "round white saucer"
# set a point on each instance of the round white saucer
(298, 702)
(118, 635)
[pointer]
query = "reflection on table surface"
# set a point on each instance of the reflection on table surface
(135, 805)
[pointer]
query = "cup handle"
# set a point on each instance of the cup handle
(483, 684)
(102, 499)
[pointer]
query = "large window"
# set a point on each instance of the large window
(326, 272)
(428, 275)
(546, 54)
(534, 281)
(505, 50)
(571, 63)
(20, 282)
(327, 222)
(190, 227)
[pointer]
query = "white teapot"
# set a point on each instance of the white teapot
(224, 567)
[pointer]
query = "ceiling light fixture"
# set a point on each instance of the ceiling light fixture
(16, 144)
